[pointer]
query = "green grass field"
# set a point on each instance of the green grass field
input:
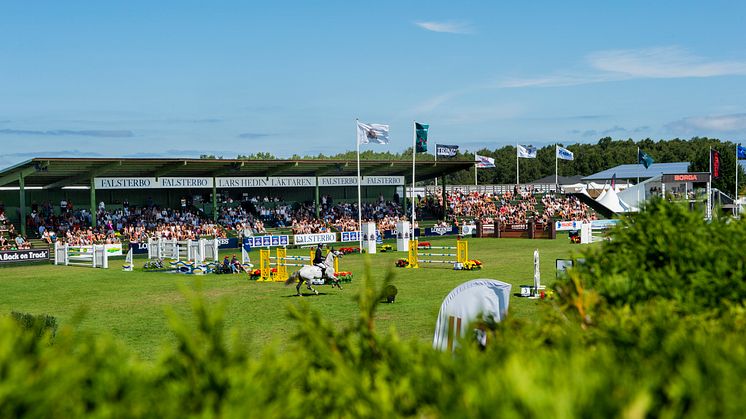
(132, 305)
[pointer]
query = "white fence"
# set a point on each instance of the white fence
(193, 250)
(94, 256)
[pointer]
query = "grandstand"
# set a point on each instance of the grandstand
(82, 202)
(201, 183)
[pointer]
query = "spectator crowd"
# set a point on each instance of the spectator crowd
(137, 224)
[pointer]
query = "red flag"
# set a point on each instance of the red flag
(715, 169)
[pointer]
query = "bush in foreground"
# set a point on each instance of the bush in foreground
(597, 352)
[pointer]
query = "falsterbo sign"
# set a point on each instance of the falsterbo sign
(152, 183)
(365, 181)
(315, 238)
(242, 182)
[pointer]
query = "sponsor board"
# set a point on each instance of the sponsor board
(393, 234)
(603, 224)
(152, 182)
(441, 231)
(469, 229)
(26, 255)
(567, 225)
(104, 183)
(697, 177)
(301, 239)
(365, 181)
(267, 241)
(114, 249)
(265, 182)
(349, 236)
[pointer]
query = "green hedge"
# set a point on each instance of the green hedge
(596, 351)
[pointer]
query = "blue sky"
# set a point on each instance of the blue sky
(184, 78)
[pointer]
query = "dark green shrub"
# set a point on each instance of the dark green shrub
(38, 324)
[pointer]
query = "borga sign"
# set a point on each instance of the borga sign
(315, 238)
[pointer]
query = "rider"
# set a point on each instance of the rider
(318, 259)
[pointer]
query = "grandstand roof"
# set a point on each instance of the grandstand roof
(634, 171)
(60, 172)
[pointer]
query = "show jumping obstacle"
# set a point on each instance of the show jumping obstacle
(280, 263)
(461, 255)
(94, 256)
(197, 251)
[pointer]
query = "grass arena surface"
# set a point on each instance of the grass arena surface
(133, 305)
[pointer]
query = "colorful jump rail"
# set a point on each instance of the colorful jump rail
(461, 256)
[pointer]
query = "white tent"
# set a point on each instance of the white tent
(479, 299)
(610, 199)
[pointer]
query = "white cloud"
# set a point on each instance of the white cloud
(714, 123)
(645, 63)
(446, 27)
(662, 62)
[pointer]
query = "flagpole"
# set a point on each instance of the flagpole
(556, 168)
(736, 194)
(414, 154)
(436, 163)
(359, 199)
(517, 175)
(709, 189)
(475, 169)
(638, 179)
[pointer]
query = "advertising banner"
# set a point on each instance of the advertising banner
(27, 255)
(366, 181)
(265, 182)
(603, 224)
(441, 231)
(301, 239)
(267, 241)
(468, 229)
(349, 236)
(567, 225)
(228, 243)
(152, 183)
(185, 182)
(139, 248)
(393, 234)
(686, 177)
(112, 249)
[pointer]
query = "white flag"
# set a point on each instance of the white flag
(484, 162)
(372, 133)
(564, 154)
(526, 152)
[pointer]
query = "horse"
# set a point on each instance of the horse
(308, 273)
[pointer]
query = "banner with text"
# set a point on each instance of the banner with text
(152, 183)
(104, 183)
(267, 241)
(366, 181)
(265, 182)
(441, 231)
(315, 238)
(114, 249)
(567, 225)
(349, 236)
(29, 255)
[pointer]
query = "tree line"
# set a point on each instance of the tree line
(589, 159)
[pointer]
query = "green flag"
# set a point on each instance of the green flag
(644, 159)
(421, 133)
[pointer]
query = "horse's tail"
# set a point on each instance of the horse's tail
(292, 278)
